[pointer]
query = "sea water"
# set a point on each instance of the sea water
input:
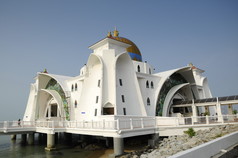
(15, 149)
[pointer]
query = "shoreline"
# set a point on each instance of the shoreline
(175, 144)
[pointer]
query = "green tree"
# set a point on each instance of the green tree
(190, 132)
(235, 112)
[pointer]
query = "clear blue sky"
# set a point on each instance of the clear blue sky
(55, 34)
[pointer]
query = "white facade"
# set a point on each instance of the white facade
(114, 83)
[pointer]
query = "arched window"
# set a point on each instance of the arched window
(76, 87)
(138, 68)
(152, 84)
(75, 104)
(147, 84)
(72, 88)
(120, 81)
(148, 101)
(99, 83)
(123, 98)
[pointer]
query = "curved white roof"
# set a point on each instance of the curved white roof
(60, 79)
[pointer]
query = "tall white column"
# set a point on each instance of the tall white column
(230, 112)
(218, 112)
(50, 142)
(118, 146)
(195, 113)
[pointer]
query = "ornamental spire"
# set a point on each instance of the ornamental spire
(115, 32)
(109, 34)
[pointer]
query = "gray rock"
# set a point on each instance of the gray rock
(135, 156)
(174, 144)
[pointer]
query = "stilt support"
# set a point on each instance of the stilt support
(23, 138)
(30, 139)
(50, 142)
(118, 146)
(40, 138)
(13, 137)
(152, 141)
(68, 137)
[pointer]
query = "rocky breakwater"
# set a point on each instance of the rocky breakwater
(174, 144)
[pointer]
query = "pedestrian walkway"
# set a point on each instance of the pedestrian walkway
(119, 126)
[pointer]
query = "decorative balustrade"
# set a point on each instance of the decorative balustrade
(122, 123)
(199, 120)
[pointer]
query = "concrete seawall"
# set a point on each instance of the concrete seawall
(210, 148)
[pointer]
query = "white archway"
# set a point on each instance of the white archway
(50, 105)
(169, 97)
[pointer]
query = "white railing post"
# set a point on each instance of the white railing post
(177, 121)
(155, 122)
(117, 123)
(142, 123)
(222, 119)
(207, 119)
(131, 123)
(192, 119)
(5, 125)
(103, 124)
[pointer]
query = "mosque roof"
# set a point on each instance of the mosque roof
(133, 50)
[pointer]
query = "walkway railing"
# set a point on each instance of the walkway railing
(193, 121)
(121, 123)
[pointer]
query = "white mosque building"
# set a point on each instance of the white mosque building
(115, 81)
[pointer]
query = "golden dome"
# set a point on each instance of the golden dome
(133, 50)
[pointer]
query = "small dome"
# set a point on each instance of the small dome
(133, 50)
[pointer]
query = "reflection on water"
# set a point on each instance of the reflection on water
(15, 149)
(65, 149)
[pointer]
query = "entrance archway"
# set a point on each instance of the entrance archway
(52, 111)
(50, 106)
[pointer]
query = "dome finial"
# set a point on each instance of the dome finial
(190, 64)
(45, 71)
(115, 32)
(109, 34)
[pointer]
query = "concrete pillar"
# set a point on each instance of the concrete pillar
(23, 138)
(13, 137)
(50, 142)
(152, 141)
(219, 113)
(118, 144)
(195, 113)
(30, 138)
(230, 109)
(44, 138)
(67, 138)
(108, 142)
(56, 138)
(207, 109)
(40, 138)
(230, 112)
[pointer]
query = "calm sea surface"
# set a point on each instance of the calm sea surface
(14, 149)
